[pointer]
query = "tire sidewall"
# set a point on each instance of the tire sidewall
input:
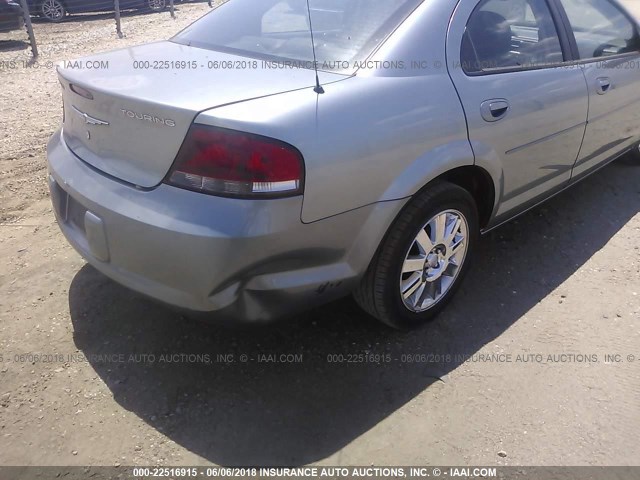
(454, 198)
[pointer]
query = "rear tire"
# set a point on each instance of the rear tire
(423, 258)
(635, 153)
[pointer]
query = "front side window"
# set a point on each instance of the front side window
(507, 34)
(345, 32)
(600, 28)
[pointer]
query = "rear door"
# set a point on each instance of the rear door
(608, 43)
(526, 111)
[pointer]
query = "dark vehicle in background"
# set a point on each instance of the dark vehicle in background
(10, 16)
(57, 10)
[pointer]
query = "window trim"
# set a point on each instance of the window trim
(607, 58)
(572, 36)
(564, 38)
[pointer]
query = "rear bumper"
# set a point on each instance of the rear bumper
(244, 260)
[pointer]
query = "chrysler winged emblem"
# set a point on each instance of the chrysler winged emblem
(88, 118)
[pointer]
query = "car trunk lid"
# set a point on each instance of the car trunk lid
(128, 111)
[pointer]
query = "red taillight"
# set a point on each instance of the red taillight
(231, 163)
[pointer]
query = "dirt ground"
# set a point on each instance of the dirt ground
(513, 373)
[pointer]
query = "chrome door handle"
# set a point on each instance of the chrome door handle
(603, 85)
(494, 110)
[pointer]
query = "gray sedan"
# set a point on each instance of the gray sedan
(277, 155)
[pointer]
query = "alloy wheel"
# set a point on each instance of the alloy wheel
(434, 260)
(52, 10)
(157, 5)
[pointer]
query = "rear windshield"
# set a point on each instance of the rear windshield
(345, 31)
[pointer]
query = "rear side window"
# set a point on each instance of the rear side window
(508, 34)
(600, 28)
(345, 32)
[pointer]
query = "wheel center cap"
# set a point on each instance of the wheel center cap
(433, 260)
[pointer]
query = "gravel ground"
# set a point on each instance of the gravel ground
(469, 389)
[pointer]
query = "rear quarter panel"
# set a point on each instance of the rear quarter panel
(378, 136)
(364, 141)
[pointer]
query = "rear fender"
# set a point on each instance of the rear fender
(366, 140)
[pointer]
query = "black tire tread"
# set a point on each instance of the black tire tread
(369, 295)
